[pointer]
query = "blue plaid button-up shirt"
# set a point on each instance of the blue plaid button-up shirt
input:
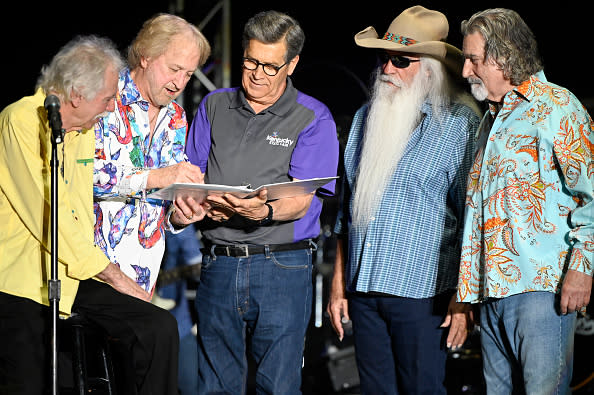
(411, 247)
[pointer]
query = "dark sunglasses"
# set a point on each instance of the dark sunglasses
(398, 61)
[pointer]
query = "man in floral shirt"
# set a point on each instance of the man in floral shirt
(140, 146)
(528, 243)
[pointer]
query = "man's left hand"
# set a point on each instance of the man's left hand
(187, 211)
(223, 207)
(575, 291)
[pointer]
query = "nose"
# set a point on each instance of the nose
(258, 72)
(180, 80)
(467, 68)
(389, 68)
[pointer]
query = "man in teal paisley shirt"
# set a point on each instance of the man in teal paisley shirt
(528, 242)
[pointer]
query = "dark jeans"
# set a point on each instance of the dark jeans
(148, 331)
(261, 304)
(399, 346)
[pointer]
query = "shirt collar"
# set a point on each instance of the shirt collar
(426, 107)
(523, 92)
(129, 92)
(282, 106)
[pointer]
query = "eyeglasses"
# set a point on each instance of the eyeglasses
(270, 69)
(398, 61)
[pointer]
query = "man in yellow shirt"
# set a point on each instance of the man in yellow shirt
(83, 75)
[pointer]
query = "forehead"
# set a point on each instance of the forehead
(473, 44)
(266, 53)
(110, 84)
(181, 49)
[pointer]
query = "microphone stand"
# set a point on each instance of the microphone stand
(54, 284)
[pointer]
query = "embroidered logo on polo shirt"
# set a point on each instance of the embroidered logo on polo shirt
(274, 139)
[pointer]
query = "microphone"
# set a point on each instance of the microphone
(52, 106)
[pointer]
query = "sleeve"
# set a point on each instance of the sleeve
(26, 174)
(341, 225)
(467, 123)
(110, 177)
(316, 152)
(351, 152)
(574, 152)
(198, 142)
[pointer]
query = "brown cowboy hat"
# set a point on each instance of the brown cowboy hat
(416, 30)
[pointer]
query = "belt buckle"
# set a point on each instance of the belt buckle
(245, 248)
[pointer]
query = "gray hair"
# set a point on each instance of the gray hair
(157, 33)
(270, 27)
(509, 42)
(442, 88)
(80, 67)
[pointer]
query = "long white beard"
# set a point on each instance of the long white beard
(393, 115)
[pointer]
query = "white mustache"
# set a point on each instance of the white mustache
(473, 80)
(389, 78)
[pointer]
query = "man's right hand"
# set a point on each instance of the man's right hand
(338, 306)
(180, 172)
(337, 309)
(113, 276)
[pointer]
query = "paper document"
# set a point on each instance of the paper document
(275, 191)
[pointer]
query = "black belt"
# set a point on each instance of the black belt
(245, 250)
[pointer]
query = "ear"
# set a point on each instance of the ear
(144, 62)
(75, 98)
(292, 64)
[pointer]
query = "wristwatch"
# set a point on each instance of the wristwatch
(268, 218)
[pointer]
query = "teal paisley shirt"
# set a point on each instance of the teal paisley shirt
(530, 199)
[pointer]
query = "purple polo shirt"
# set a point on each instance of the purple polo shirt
(293, 138)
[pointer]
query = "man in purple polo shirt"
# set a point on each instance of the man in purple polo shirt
(255, 284)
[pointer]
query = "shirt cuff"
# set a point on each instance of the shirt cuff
(168, 225)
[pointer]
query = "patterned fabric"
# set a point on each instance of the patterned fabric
(530, 209)
(130, 230)
(398, 39)
(411, 246)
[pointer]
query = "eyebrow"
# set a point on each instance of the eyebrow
(266, 63)
(471, 56)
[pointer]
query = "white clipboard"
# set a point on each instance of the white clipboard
(275, 191)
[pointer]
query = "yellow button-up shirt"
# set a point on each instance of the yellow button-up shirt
(25, 188)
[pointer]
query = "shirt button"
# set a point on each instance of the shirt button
(368, 244)
(373, 218)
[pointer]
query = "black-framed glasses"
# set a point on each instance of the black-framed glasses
(270, 69)
(398, 61)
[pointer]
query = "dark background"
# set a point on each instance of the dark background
(332, 68)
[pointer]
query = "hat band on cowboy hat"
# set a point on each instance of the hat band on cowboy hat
(399, 39)
(417, 30)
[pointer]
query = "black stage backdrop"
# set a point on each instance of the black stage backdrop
(331, 68)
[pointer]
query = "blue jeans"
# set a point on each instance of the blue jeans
(262, 304)
(527, 344)
(183, 249)
(399, 346)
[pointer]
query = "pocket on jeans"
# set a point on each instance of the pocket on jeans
(206, 262)
(295, 259)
